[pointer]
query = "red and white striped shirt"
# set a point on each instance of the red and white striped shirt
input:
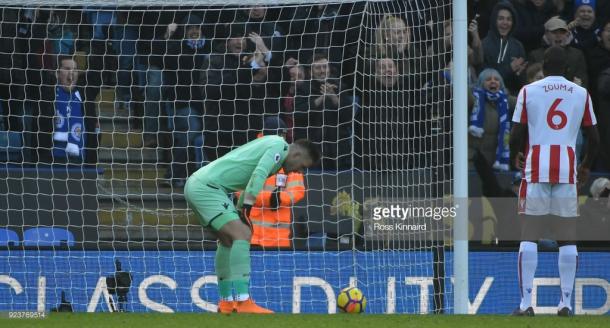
(554, 109)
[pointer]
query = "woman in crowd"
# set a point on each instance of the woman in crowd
(489, 125)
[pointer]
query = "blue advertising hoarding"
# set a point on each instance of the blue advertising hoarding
(297, 282)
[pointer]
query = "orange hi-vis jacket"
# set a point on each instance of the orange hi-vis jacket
(272, 228)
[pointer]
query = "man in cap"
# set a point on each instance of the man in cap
(558, 34)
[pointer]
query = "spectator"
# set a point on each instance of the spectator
(294, 75)
(187, 56)
(583, 27)
(17, 64)
(598, 57)
(323, 110)
(324, 28)
(532, 14)
(258, 20)
(126, 33)
(534, 72)
(101, 54)
(61, 122)
(393, 40)
(489, 125)
(482, 8)
(229, 102)
(440, 54)
(564, 8)
(475, 47)
(501, 50)
(152, 47)
(382, 118)
(424, 17)
(557, 33)
(271, 214)
(62, 32)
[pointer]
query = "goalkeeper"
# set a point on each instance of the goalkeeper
(206, 191)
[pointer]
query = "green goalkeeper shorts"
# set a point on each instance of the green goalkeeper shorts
(211, 204)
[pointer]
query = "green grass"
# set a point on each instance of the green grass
(192, 320)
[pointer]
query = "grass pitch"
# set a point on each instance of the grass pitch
(191, 320)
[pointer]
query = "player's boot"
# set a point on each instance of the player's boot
(248, 306)
(226, 307)
(529, 312)
(564, 312)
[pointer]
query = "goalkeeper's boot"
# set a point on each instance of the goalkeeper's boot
(226, 307)
(529, 312)
(248, 306)
(565, 312)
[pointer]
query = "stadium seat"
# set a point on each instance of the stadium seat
(11, 146)
(47, 236)
(7, 237)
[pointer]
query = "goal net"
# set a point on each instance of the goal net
(108, 108)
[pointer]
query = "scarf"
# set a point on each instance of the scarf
(477, 119)
(195, 44)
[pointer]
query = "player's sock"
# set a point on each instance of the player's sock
(528, 260)
(223, 272)
(240, 269)
(568, 259)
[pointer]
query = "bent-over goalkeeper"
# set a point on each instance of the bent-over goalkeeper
(206, 191)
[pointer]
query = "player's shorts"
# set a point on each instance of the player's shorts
(544, 198)
(210, 203)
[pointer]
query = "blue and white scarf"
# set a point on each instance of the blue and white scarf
(195, 44)
(477, 119)
(68, 134)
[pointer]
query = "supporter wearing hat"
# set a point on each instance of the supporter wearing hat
(584, 29)
(557, 33)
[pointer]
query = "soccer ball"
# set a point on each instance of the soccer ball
(351, 300)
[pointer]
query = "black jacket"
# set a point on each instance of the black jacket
(498, 52)
(530, 27)
(183, 67)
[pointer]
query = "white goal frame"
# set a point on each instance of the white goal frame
(459, 103)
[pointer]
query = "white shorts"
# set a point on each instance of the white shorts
(544, 198)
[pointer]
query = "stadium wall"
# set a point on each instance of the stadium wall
(297, 282)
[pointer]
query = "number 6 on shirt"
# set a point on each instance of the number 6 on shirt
(554, 112)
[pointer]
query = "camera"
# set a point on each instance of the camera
(119, 284)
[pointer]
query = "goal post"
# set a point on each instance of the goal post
(158, 99)
(460, 151)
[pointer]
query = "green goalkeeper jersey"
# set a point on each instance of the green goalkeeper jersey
(246, 167)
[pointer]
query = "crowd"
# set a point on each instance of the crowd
(513, 47)
(373, 90)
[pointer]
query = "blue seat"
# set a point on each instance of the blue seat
(47, 236)
(7, 237)
(11, 146)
